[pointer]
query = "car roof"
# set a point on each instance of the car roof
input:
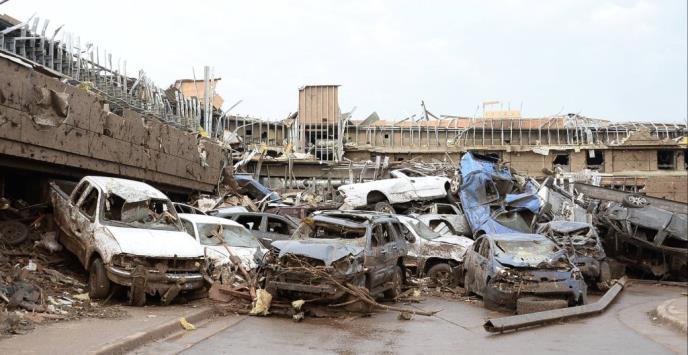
(200, 218)
(129, 190)
(525, 237)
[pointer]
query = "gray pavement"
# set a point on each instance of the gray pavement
(625, 328)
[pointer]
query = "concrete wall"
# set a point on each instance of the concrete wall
(94, 140)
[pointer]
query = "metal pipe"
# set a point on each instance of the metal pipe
(500, 325)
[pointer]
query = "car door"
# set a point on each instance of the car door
(83, 218)
(378, 255)
(482, 269)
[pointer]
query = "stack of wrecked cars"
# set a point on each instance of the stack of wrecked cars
(127, 233)
(500, 204)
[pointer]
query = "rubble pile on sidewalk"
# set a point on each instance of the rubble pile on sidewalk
(39, 281)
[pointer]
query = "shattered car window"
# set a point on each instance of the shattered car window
(514, 220)
(234, 236)
(150, 213)
(421, 229)
(328, 231)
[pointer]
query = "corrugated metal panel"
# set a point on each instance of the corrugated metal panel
(319, 104)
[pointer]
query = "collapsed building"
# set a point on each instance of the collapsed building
(319, 142)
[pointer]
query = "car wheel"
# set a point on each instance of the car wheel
(98, 283)
(384, 206)
(442, 275)
(13, 232)
(526, 305)
(635, 201)
(397, 279)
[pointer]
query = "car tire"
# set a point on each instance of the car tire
(13, 232)
(384, 206)
(530, 304)
(441, 275)
(98, 283)
(397, 280)
(635, 201)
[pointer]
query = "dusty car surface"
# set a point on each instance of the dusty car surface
(405, 186)
(365, 249)
(432, 254)
(494, 200)
(582, 243)
(267, 227)
(506, 267)
(127, 233)
(221, 238)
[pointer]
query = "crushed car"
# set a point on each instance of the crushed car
(267, 227)
(364, 249)
(127, 233)
(583, 245)
(650, 239)
(404, 186)
(433, 255)
(495, 200)
(222, 238)
(505, 268)
(444, 218)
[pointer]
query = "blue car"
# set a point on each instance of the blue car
(255, 190)
(514, 268)
(495, 201)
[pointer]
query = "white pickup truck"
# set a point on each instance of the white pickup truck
(127, 233)
(406, 185)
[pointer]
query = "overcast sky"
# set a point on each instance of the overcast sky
(620, 60)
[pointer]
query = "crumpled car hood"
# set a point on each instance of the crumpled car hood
(327, 250)
(156, 243)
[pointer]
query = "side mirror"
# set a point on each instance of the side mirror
(410, 237)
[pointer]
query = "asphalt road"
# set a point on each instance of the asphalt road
(627, 328)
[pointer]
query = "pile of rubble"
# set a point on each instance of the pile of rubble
(39, 281)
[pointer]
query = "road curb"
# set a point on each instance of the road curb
(673, 312)
(137, 339)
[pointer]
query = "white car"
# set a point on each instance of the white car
(127, 233)
(239, 241)
(431, 254)
(406, 185)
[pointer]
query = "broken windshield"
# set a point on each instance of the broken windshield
(534, 253)
(150, 213)
(309, 229)
(234, 236)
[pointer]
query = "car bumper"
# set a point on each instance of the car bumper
(157, 280)
(503, 295)
(588, 266)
